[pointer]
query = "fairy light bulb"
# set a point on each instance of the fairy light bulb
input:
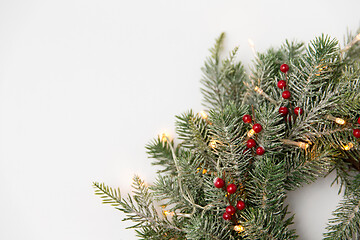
(357, 37)
(340, 121)
(294, 143)
(251, 43)
(164, 136)
(251, 133)
(239, 228)
(213, 144)
(203, 115)
(348, 146)
(303, 145)
(168, 213)
(258, 90)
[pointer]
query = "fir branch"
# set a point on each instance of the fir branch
(228, 129)
(211, 79)
(108, 194)
(193, 130)
(223, 81)
(346, 222)
(305, 167)
(266, 187)
(209, 228)
(161, 154)
(264, 225)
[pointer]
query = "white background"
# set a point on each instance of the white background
(86, 84)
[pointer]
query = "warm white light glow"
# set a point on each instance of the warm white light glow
(348, 146)
(298, 144)
(340, 121)
(251, 43)
(203, 115)
(337, 120)
(213, 144)
(239, 228)
(303, 145)
(357, 37)
(164, 136)
(258, 90)
(203, 171)
(251, 133)
(168, 213)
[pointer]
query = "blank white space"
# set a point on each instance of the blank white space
(86, 84)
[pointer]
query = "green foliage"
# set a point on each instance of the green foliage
(346, 222)
(227, 129)
(194, 133)
(160, 151)
(323, 80)
(141, 210)
(108, 194)
(223, 80)
(264, 225)
(208, 227)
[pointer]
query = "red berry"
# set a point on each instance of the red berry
(298, 111)
(240, 205)
(231, 188)
(257, 127)
(359, 120)
(356, 133)
(284, 68)
(283, 111)
(281, 84)
(286, 94)
(219, 183)
(260, 151)
(251, 143)
(226, 216)
(247, 118)
(230, 210)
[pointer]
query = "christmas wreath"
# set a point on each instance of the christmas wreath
(294, 118)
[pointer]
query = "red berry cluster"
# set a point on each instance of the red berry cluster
(356, 131)
(283, 111)
(251, 142)
(231, 189)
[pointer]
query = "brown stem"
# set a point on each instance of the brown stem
(290, 105)
(233, 217)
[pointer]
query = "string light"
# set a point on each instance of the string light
(258, 90)
(203, 171)
(213, 144)
(339, 121)
(203, 115)
(348, 146)
(164, 136)
(303, 145)
(252, 46)
(251, 43)
(168, 213)
(251, 133)
(239, 228)
(297, 144)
